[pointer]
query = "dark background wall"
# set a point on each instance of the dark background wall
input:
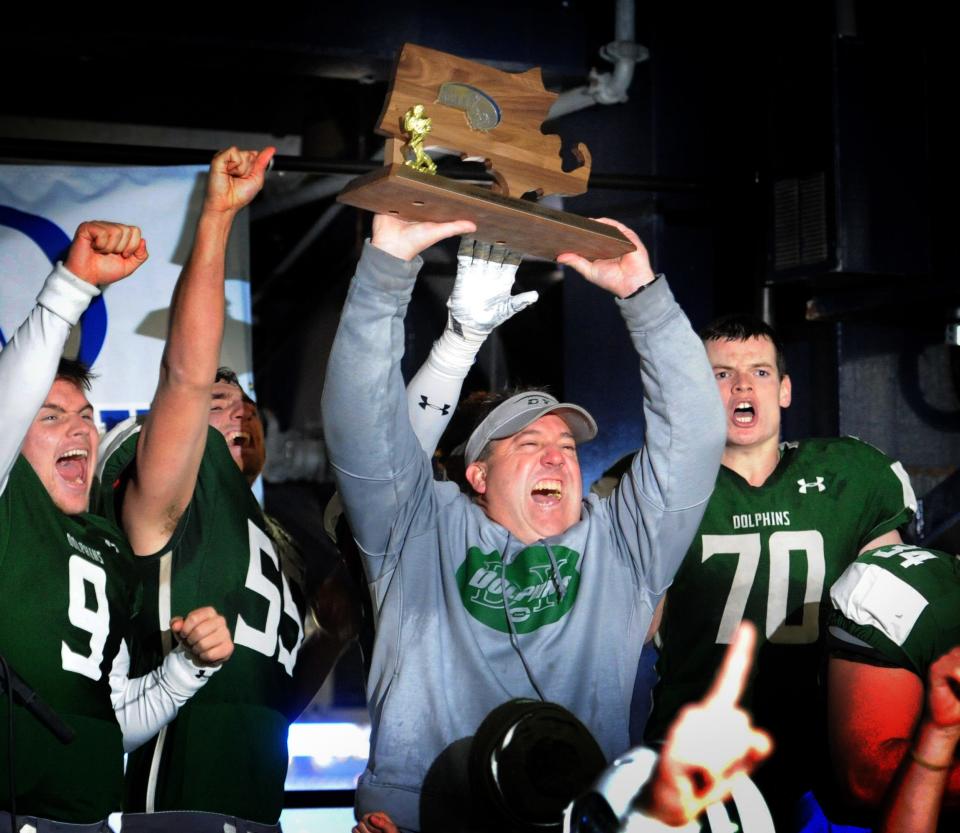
(802, 154)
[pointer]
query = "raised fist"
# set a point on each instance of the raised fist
(103, 252)
(236, 177)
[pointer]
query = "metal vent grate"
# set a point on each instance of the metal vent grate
(800, 221)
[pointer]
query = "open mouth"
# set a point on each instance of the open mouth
(72, 466)
(744, 413)
(238, 439)
(547, 492)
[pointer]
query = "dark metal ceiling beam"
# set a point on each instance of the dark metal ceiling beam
(47, 150)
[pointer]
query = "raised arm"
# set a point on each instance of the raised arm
(894, 615)
(172, 440)
(370, 443)
(660, 502)
(101, 253)
(872, 713)
(875, 721)
(930, 768)
(479, 303)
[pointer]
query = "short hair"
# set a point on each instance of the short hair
(742, 327)
(75, 372)
(229, 375)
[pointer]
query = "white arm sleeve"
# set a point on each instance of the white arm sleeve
(145, 705)
(479, 303)
(28, 364)
(433, 394)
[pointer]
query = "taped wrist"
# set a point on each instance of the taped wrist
(454, 353)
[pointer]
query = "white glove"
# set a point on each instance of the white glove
(480, 302)
(481, 299)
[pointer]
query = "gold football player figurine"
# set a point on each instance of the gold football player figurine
(416, 124)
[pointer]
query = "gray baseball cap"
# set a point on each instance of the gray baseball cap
(519, 411)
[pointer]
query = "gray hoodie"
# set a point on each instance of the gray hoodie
(468, 616)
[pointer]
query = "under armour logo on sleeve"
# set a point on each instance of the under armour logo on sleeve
(425, 403)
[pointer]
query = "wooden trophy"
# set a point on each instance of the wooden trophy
(440, 100)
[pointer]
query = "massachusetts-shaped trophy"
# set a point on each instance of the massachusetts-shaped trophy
(483, 114)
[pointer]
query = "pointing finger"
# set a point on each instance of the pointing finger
(732, 677)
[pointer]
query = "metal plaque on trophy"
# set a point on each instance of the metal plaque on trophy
(442, 101)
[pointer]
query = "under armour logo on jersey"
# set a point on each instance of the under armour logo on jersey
(816, 484)
(426, 403)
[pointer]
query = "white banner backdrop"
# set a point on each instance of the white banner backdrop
(122, 333)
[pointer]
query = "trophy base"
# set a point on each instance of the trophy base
(526, 227)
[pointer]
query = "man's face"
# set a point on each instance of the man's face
(239, 422)
(61, 446)
(751, 389)
(530, 484)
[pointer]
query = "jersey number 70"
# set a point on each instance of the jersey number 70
(747, 549)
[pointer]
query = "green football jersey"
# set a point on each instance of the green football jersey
(899, 605)
(68, 589)
(226, 752)
(769, 554)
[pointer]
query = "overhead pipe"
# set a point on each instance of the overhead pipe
(608, 87)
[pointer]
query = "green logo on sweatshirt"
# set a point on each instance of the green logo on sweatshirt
(528, 590)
